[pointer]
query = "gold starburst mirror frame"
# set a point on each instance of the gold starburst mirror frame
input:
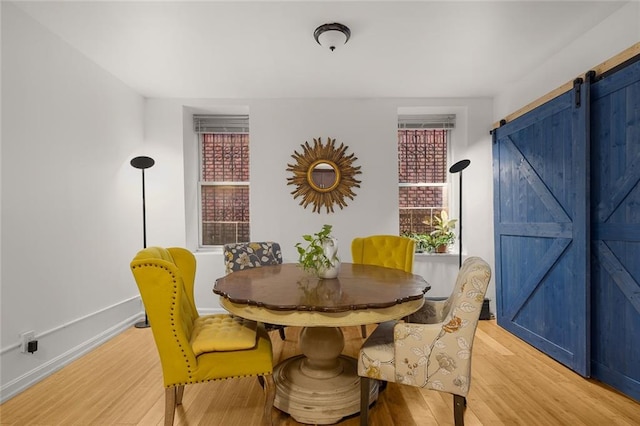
(323, 175)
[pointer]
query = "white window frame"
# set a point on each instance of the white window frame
(203, 126)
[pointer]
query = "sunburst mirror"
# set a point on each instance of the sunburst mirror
(323, 175)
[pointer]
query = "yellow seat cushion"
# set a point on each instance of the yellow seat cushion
(222, 332)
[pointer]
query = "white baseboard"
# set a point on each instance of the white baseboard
(81, 336)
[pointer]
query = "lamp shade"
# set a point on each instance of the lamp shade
(142, 162)
(459, 166)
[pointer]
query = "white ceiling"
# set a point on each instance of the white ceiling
(265, 49)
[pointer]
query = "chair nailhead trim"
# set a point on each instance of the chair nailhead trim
(191, 382)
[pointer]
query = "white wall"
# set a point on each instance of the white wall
(278, 128)
(71, 203)
(610, 37)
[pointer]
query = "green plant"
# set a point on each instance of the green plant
(423, 241)
(312, 257)
(442, 234)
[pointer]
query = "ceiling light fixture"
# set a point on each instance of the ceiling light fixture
(332, 35)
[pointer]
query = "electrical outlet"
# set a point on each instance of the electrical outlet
(25, 338)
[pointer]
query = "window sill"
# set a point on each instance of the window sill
(213, 250)
(431, 254)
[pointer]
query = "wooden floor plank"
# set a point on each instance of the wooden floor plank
(120, 383)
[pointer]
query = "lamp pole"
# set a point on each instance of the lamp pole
(458, 168)
(143, 163)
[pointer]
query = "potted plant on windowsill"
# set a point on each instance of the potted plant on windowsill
(442, 236)
(423, 241)
(320, 256)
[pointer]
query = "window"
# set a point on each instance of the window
(422, 169)
(224, 179)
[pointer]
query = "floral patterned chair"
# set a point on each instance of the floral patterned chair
(434, 356)
(239, 256)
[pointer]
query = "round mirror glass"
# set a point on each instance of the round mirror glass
(323, 175)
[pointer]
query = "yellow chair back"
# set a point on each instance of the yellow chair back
(390, 251)
(165, 279)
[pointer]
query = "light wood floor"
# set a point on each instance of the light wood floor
(120, 383)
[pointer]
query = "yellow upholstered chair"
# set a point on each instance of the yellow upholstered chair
(390, 251)
(433, 356)
(196, 348)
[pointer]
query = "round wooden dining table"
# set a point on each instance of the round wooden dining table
(320, 386)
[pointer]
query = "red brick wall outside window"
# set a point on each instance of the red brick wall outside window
(422, 170)
(224, 188)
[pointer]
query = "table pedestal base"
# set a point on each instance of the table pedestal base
(321, 386)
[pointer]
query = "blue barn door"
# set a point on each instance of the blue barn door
(541, 201)
(615, 197)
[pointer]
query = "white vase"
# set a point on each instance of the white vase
(329, 272)
(330, 248)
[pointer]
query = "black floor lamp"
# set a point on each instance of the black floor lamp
(458, 168)
(143, 163)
